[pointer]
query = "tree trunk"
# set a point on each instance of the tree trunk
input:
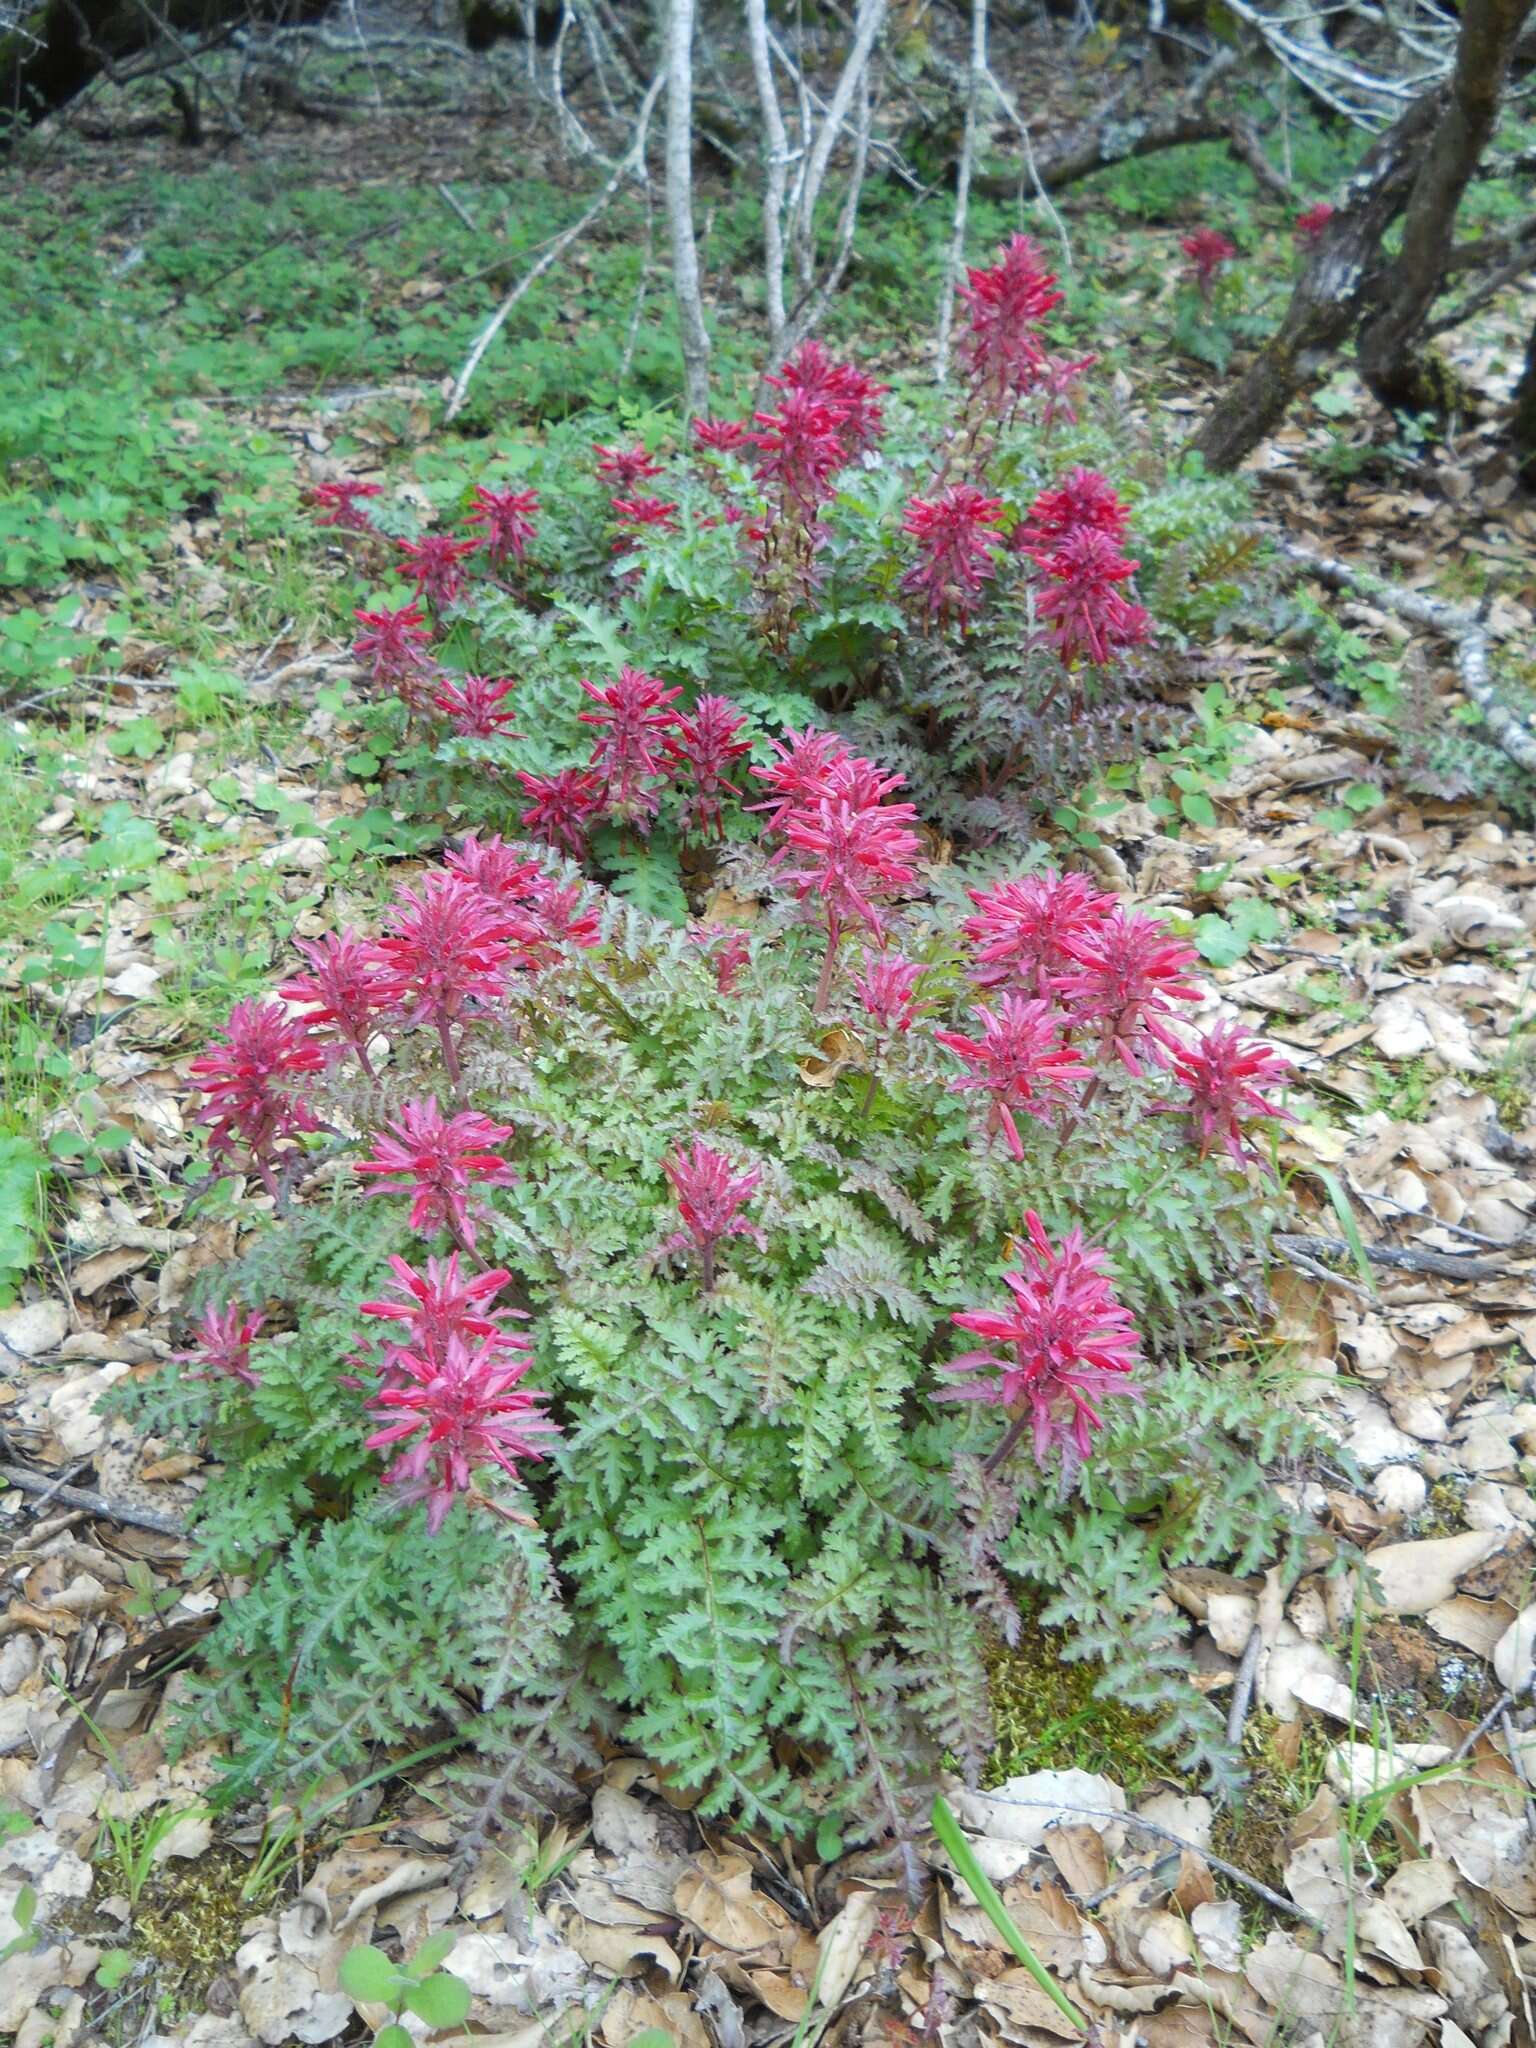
(685, 250)
(1522, 426)
(58, 47)
(1392, 362)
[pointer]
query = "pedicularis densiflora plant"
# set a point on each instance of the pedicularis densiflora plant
(723, 1333)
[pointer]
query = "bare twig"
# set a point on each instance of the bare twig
(693, 333)
(1242, 1690)
(975, 81)
(456, 205)
(127, 1512)
(1401, 1258)
(627, 165)
(775, 165)
(1276, 1899)
(1467, 631)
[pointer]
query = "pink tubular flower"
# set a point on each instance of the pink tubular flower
(1082, 498)
(393, 648)
(249, 1082)
(625, 467)
(433, 565)
(343, 984)
(467, 1400)
(800, 775)
(473, 707)
(498, 870)
(854, 851)
(1064, 1341)
(1207, 251)
(444, 951)
(887, 989)
(1019, 1059)
(438, 1304)
(723, 436)
(336, 504)
(729, 949)
(799, 451)
(1308, 227)
(1127, 972)
(563, 806)
(508, 518)
(635, 715)
(1226, 1076)
(1087, 618)
(1020, 931)
(849, 394)
(223, 1345)
(538, 916)
(1057, 380)
(956, 552)
(657, 514)
(709, 1200)
(701, 750)
(434, 1159)
(1001, 350)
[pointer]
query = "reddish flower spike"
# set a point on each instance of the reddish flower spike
(509, 521)
(1001, 351)
(1020, 931)
(701, 750)
(657, 515)
(887, 989)
(473, 706)
(222, 1348)
(956, 550)
(474, 1413)
(433, 564)
(850, 395)
(800, 775)
(1057, 380)
(338, 504)
(625, 467)
(852, 853)
(1020, 1061)
(393, 648)
(344, 985)
(249, 1082)
(729, 949)
(444, 953)
(563, 806)
(1063, 1342)
(1127, 973)
(723, 437)
(1225, 1077)
(1309, 227)
(436, 1160)
(1207, 250)
(1087, 618)
(1082, 499)
(710, 1198)
(635, 716)
(438, 1304)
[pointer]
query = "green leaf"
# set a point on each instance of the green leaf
(1197, 807)
(829, 1841)
(651, 2037)
(1218, 941)
(947, 1828)
(442, 2000)
(113, 1968)
(394, 2036)
(433, 1951)
(367, 1974)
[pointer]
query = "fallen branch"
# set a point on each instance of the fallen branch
(1467, 631)
(623, 169)
(1400, 1258)
(127, 1512)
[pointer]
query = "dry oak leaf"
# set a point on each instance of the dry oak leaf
(1418, 1576)
(1016, 2000)
(631, 2011)
(1480, 1825)
(718, 1897)
(1419, 1888)
(1476, 1625)
(621, 1951)
(842, 1943)
(1304, 1986)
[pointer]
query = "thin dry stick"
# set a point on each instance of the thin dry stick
(1134, 1820)
(1242, 1691)
(126, 1512)
(975, 82)
(809, 312)
(1467, 632)
(870, 21)
(632, 157)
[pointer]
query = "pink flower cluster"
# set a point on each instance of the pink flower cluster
(710, 1199)
(1207, 251)
(1073, 534)
(452, 1382)
(1063, 1342)
(644, 744)
(957, 541)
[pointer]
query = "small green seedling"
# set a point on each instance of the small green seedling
(419, 1986)
(113, 1968)
(23, 1912)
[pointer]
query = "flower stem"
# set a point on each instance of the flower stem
(1015, 1430)
(824, 985)
(450, 1057)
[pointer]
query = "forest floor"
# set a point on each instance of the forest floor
(197, 791)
